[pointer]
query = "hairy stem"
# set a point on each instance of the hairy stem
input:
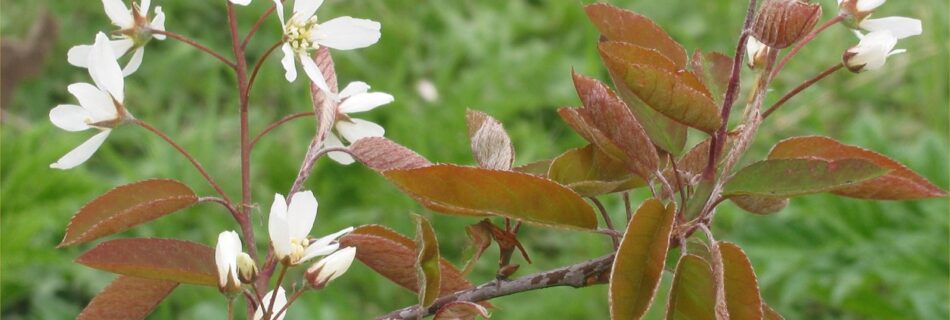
(270, 314)
(197, 45)
(578, 275)
(289, 302)
(801, 87)
(607, 220)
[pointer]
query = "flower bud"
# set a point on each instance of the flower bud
(247, 269)
(756, 52)
(781, 23)
(872, 52)
(330, 268)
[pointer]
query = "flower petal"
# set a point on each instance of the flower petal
(81, 153)
(158, 23)
(79, 55)
(279, 8)
(69, 117)
(313, 72)
(341, 157)
(900, 27)
(334, 266)
(98, 103)
(120, 15)
(304, 9)
(301, 214)
(354, 88)
(225, 256)
(144, 5)
(134, 62)
(365, 102)
(345, 33)
(279, 302)
(868, 5)
(356, 129)
(104, 68)
(241, 2)
(278, 228)
(290, 68)
(316, 251)
(330, 238)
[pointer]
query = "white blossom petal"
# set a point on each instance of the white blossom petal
(70, 117)
(869, 5)
(330, 238)
(341, 157)
(120, 15)
(290, 68)
(313, 72)
(356, 129)
(277, 227)
(225, 257)
(279, 302)
(241, 2)
(365, 102)
(872, 52)
(98, 103)
(158, 23)
(301, 213)
(279, 8)
(144, 5)
(316, 251)
(79, 55)
(333, 266)
(345, 33)
(135, 62)
(104, 68)
(304, 9)
(900, 27)
(81, 153)
(354, 88)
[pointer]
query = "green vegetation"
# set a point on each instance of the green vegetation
(823, 257)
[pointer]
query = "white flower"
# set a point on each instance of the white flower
(756, 51)
(289, 226)
(225, 257)
(900, 27)
(100, 105)
(279, 302)
(303, 34)
(331, 267)
(356, 98)
(872, 52)
(864, 5)
(129, 36)
(241, 2)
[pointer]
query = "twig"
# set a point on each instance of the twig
(289, 302)
(800, 88)
(310, 161)
(577, 275)
(607, 220)
(197, 45)
(278, 123)
(258, 24)
(258, 65)
(627, 206)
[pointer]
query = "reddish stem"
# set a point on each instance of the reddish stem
(289, 302)
(258, 65)
(195, 44)
(278, 123)
(800, 88)
(257, 25)
(798, 46)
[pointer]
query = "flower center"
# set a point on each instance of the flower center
(297, 249)
(298, 34)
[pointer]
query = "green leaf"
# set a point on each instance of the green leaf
(739, 282)
(427, 262)
(627, 26)
(590, 172)
(393, 256)
(490, 144)
(381, 154)
(159, 259)
(693, 295)
(127, 206)
(900, 183)
(461, 310)
(793, 177)
(474, 191)
(665, 132)
(606, 122)
(760, 204)
(127, 298)
(639, 262)
(715, 70)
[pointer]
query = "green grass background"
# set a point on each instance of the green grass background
(823, 257)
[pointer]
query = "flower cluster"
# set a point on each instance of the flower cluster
(874, 47)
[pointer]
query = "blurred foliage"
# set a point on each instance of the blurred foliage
(823, 257)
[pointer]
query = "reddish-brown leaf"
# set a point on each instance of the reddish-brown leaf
(606, 113)
(693, 294)
(323, 107)
(639, 263)
(739, 282)
(127, 298)
(480, 238)
(590, 172)
(899, 184)
(125, 207)
(771, 314)
(474, 191)
(791, 177)
(428, 270)
(382, 154)
(760, 204)
(160, 259)
(714, 69)
(627, 26)
(461, 310)
(393, 256)
(537, 168)
(490, 144)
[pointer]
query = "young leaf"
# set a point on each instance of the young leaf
(490, 144)
(125, 207)
(740, 284)
(393, 256)
(127, 298)
(760, 204)
(899, 184)
(693, 295)
(606, 113)
(537, 168)
(159, 259)
(480, 238)
(771, 314)
(427, 262)
(590, 172)
(461, 310)
(714, 69)
(639, 262)
(666, 133)
(381, 154)
(323, 108)
(627, 26)
(793, 177)
(479, 192)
